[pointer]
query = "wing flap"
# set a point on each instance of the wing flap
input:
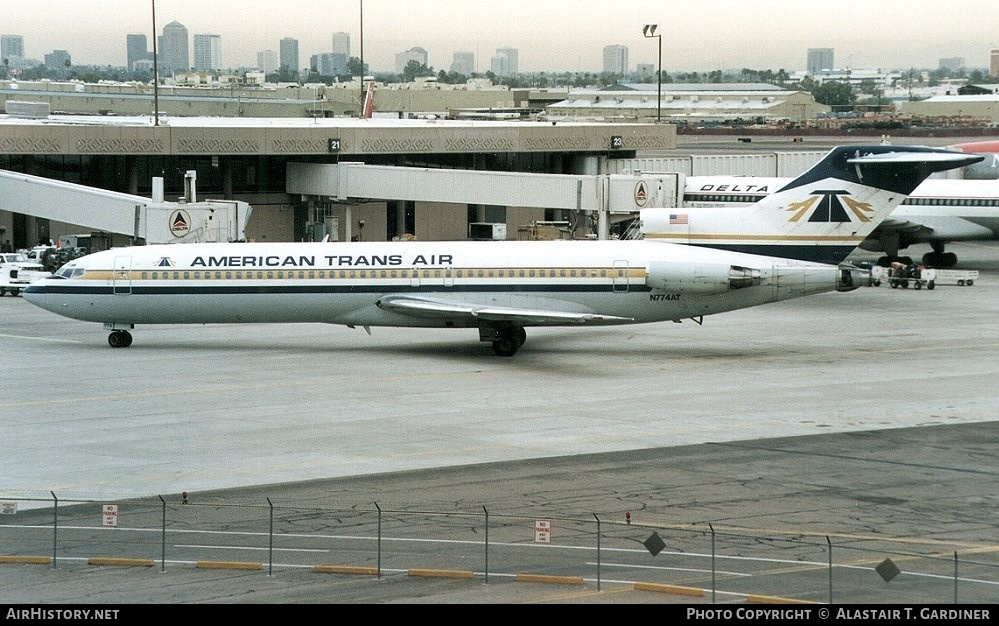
(430, 308)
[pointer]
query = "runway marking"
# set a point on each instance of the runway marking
(49, 339)
(246, 548)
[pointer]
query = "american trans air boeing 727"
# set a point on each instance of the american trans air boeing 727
(496, 287)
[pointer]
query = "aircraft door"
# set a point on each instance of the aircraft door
(121, 276)
(621, 276)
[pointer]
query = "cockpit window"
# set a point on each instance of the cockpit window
(70, 272)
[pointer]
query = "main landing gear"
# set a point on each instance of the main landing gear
(506, 340)
(940, 259)
(937, 258)
(120, 339)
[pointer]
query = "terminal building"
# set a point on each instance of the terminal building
(248, 158)
(251, 145)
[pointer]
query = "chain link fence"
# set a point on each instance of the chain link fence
(705, 562)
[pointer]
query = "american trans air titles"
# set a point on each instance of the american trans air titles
(327, 260)
(497, 287)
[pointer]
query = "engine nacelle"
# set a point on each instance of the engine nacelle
(851, 277)
(700, 277)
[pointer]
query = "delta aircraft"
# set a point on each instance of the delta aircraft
(937, 212)
(497, 287)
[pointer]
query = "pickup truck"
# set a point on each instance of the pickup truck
(17, 272)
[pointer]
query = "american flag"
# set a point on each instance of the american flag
(677, 218)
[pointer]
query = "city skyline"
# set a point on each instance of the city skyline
(564, 35)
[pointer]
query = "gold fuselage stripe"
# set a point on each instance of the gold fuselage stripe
(364, 274)
(773, 238)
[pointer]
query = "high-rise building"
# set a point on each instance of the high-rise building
(289, 54)
(267, 61)
(616, 59)
(506, 62)
(341, 44)
(173, 51)
(11, 46)
(463, 63)
(413, 54)
(819, 59)
(994, 63)
(952, 63)
(207, 52)
(136, 50)
(329, 63)
(57, 60)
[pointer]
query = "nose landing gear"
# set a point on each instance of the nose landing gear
(120, 339)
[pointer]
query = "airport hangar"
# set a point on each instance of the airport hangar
(248, 159)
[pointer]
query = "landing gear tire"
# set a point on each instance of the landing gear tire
(940, 259)
(509, 341)
(120, 339)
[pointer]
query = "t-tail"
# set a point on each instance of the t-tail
(822, 215)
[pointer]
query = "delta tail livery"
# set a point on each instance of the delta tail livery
(826, 226)
(497, 287)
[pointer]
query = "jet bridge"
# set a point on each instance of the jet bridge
(144, 219)
(604, 195)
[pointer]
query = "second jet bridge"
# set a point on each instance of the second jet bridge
(603, 195)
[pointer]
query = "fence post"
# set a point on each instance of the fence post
(55, 530)
(829, 543)
(598, 551)
(486, 511)
(162, 534)
(379, 539)
(713, 572)
(270, 541)
(955, 576)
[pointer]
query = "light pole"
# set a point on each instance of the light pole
(649, 30)
(156, 78)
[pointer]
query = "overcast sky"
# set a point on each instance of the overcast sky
(550, 35)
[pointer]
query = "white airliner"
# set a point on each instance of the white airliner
(498, 287)
(937, 212)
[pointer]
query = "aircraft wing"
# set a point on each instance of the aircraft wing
(921, 229)
(897, 225)
(427, 307)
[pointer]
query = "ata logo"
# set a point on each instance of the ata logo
(180, 223)
(828, 206)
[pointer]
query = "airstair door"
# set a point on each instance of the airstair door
(121, 277)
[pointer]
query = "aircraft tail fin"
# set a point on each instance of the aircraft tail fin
(369, 101)
(823, 214)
